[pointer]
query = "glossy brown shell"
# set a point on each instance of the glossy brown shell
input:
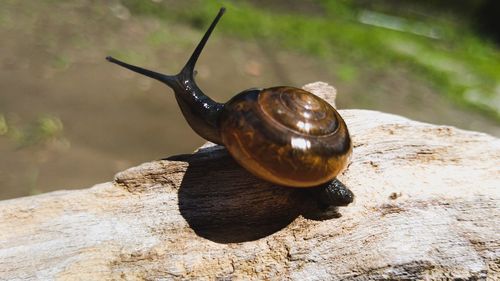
(285, 135)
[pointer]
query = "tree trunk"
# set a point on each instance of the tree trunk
(426, 207)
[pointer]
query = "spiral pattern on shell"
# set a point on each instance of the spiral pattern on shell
(285, 135)
(298, 110)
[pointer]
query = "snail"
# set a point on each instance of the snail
(283, 135)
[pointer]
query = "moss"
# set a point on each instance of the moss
(463, 66)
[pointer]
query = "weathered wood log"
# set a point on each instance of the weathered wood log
(427, 207)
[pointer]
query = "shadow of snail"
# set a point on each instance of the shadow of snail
(225, 203)
(283, 135)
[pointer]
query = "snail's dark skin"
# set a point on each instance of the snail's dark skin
(284, 135)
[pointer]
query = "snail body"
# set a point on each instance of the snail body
(283, 135)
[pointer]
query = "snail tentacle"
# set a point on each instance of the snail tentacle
(170, 80)
(189, 67)
(199, 110)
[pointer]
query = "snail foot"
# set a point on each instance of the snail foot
(333, 193)
(326, 199)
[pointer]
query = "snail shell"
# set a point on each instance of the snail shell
(285, 135)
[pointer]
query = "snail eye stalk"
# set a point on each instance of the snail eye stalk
(189, 67)
(199, 110)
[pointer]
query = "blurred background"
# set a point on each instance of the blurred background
(69, 119)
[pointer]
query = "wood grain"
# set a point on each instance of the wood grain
(427, 207)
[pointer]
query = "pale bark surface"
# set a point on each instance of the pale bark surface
(427, 206)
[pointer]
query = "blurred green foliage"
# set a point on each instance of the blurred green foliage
(462, 65)
(3, 125)
(41, 130)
